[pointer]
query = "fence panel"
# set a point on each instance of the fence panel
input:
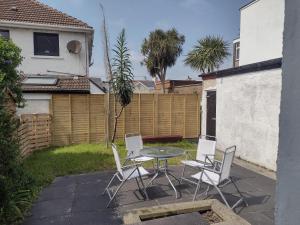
(34, 132)
(81, 118)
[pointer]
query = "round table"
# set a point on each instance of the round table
(162, 154)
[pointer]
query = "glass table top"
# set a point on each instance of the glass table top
(161, 152)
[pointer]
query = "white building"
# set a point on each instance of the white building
(241, 105)
(56, 50)
(261, 32)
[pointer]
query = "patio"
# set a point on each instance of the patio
(74, 200)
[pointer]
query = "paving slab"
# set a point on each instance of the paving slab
(78, 199)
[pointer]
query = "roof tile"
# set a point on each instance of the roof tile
(32, 11)
(66, 85)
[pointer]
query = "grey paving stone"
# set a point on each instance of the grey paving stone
(89, 203)
(258, 219)
(94, 218)
(57, 220)
(51, 208)
(77, 199)
(57, 192)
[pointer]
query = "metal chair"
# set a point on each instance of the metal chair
(125, 173)
(219, 177)
(205, 156)
(134, 144)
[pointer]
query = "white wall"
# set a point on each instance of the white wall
(66, 62)
(261, 31)
(248, 115)
(288, 173)
(35, 103)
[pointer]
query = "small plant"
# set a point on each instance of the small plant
(122, 80)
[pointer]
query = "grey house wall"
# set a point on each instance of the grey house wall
(248, 107)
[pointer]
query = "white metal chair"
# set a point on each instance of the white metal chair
(218, 178)
(134, 144)
(125, 173)
(205, 156)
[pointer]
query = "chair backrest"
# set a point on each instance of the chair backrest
(227, 162)
(117, 158)
(205, 147)
(134, 144)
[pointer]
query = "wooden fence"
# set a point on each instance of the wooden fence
(82, 118)
(34, 132)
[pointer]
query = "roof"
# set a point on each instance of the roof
(248, 4)
(181, 82)
(254, 67)
(147, 83)
(68, 84)
(32, 11)
(99, 83)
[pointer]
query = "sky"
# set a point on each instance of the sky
(194, 19)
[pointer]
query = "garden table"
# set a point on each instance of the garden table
(162, 154)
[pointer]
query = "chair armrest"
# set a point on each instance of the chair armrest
(188, 154)
(132, 165)
(208, 160)
(209, 169)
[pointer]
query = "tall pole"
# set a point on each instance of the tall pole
(108, 71)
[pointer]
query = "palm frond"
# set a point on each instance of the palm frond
(208, 54)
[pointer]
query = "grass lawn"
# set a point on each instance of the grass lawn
(45, 165)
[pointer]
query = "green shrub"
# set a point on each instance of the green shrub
(16, 186)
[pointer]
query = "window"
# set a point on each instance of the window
(40, 81)
(237, 51)
(236, 54)
(46, 44)
(4, 34)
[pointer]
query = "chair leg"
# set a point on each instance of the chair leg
(114, 195)
(240, 193)
(111, 180)
(144, 188)
(197, 188)
(142, 182)
(218, 189)
(182, 174)
(222, 196)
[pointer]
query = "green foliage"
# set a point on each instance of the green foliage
(10, 58)
(208, 54)
(15, 183)
(161, 50)
(122, 82)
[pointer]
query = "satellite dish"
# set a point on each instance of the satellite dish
(74, 46)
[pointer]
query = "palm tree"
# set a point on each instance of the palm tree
(208, 54)
(122, 77)
(161, 50)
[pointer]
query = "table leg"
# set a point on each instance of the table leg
(166, 174)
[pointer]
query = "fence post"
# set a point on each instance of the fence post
(155, 114)
(70, 119)
(139, 106)
(184, 116)
(88, 114)
(171, 103)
